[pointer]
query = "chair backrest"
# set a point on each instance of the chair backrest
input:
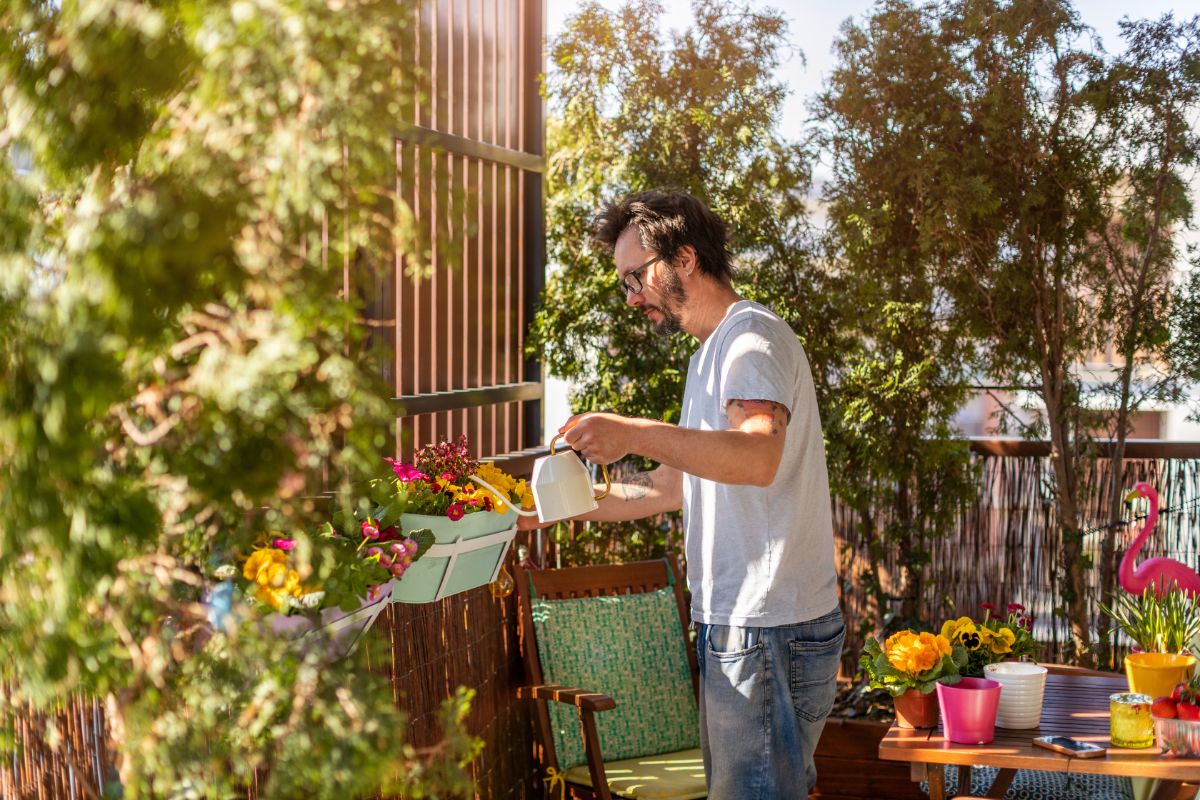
(539, 591)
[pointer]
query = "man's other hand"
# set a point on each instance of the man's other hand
(602, 438)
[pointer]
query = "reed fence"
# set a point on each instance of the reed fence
(1004, 547)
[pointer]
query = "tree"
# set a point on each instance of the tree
(889, 423)
(1144, 104)
(175, 354)
(630, 110)
(1005, 130)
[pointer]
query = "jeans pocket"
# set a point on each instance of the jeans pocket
(730, 643)
(813, 670)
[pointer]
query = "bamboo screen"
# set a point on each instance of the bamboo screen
(1004, 546)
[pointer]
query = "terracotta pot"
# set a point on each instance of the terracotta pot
(916, 710)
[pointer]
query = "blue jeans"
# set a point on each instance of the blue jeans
(764, 696)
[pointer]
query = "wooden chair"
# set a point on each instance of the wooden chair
(609, 581)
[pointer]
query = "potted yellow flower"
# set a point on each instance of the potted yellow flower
(908, 665)
(994, 638)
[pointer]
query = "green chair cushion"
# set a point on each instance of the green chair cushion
(631, 648)
(668, 776)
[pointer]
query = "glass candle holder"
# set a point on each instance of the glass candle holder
(1131, 723)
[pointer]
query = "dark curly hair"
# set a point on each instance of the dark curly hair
(668, 219)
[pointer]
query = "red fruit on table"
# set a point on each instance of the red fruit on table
(1164, 707)
(1188, 711)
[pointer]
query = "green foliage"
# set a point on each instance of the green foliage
(997, 171)
(1167, 624)
(175, 363)
(631, 110)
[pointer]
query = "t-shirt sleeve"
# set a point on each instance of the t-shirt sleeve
(756, 367)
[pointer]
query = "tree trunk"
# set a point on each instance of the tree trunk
(1108, 552)
(1064, 462)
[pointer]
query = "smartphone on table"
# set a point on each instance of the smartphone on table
(1069, 746)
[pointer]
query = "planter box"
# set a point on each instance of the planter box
(337, 631)
(465, 554)
(849, 767)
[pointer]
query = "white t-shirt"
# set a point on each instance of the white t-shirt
(758, 556)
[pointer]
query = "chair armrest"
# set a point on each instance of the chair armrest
(580, 698)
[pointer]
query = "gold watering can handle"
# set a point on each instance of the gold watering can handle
(603, 471)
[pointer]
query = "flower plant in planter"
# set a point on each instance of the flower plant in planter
(993, 639)
(908, 666)
(463, 528)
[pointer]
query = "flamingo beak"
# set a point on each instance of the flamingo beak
(1133, 495)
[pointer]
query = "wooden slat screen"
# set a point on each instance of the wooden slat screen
(469, 159)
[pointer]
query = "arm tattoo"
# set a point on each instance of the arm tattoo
(778, 414)
(637, 486)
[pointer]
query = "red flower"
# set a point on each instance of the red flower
(455, 512)
(1015, 608)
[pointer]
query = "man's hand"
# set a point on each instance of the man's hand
(602, 438)
(533, 523)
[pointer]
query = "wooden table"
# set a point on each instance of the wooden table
(1076, 705)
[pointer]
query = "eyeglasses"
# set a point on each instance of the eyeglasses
(631, 283)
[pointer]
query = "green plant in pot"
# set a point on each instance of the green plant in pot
(1163, 630)
(907, 666)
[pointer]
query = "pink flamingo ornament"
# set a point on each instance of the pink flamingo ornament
(1160, 572)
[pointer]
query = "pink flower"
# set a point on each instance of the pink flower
(397, 549)
(374, 593)
(398, 569)
(455, 512)
(448, 477)
(369, 529)
(411, 546)
(407, 473)
(283, 544)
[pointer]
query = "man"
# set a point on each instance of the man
(747, 466)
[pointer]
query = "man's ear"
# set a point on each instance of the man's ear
(688, 262)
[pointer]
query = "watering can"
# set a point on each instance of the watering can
(562, 487)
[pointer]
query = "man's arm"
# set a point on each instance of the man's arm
(747, 453)
(642, 494)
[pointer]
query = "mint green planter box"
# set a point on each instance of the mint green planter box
(465, 554)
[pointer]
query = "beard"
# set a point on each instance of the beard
(673, 296)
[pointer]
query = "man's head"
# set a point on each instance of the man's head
(654, 236)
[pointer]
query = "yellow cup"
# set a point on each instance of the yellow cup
(1156, 674)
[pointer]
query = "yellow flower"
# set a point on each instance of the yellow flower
(521, 492)
(260, 560)
(915, 653)
(512, 490)
(274, 576)
(1002, 641)
(271, 597)
(963, 631)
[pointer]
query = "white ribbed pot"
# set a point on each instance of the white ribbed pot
(1022, 687)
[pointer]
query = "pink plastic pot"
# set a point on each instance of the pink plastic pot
(969, 710)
